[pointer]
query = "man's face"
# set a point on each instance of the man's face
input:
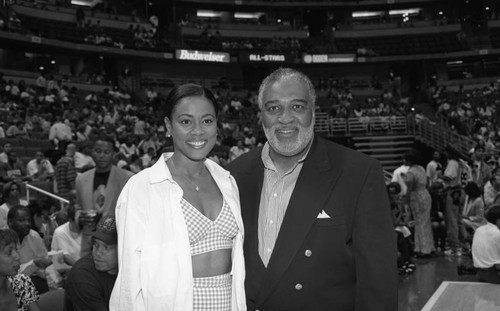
(102, 153)
(287, 116)
(105, 256)
(436, 156)
(7, 147)
(21, 223)
(39, 157)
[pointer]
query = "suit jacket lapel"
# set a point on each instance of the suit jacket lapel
(314, 185)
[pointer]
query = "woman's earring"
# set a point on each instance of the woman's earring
(168, 135)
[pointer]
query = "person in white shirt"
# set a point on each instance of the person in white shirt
(486, 248)
(68, 238)
(399, 175)
(167, 258)
(39, 168)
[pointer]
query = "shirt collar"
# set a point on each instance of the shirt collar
(268, 162)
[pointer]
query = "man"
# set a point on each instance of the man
(91, 280)
(318, 229)
(60, 134)
(97, 189)
(13, 170)
(65, 173)
(32, 252)
(434, 169)
(486, 247)
(481, 171)
(39, 168)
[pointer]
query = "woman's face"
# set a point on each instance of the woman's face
(9, 260)
(14, 192)
(193, 127)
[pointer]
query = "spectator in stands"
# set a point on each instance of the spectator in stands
(491, 189)
(39, 168)
(128, 148)
(10, 198)
(7, 147)
(65, 173)
(481, 171)
(473, 213)
(91, 280)
(97, 189)
(149, 158)
(18, 291)
(60, 133)
(14, 169)
(486, 248)
(454, 200)
(17, 130)
(83, 160)
(419, 201)
(68, 238)
(41, 83)
(2, 131)
(237, 150)
(32, 252)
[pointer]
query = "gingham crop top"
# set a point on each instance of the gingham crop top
(206, 235)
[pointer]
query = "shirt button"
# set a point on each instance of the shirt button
(298, 286)
(308, 253)
(271, 222)
(275, 195)
(268, 250)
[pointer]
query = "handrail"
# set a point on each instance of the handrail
(28, 186)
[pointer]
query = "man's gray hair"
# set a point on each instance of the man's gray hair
(281, 74)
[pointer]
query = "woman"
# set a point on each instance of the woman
(419, 200)
(180, 232)
(11, 197)
(17, 292)
(473, 213)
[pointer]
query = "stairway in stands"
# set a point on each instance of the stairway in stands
(388, 150)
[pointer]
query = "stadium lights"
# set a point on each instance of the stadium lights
(208, 14)
(241, 15)
(82, 2)
(454, 62)
(364, 14)
(414, 11)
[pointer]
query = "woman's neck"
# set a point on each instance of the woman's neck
(187, 168)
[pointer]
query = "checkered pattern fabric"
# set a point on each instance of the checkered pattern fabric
(212, 293)
(206, 235)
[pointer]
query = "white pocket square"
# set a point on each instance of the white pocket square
(323, 215)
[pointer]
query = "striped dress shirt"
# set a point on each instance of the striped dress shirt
(275, 196)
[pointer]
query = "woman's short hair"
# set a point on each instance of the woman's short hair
(7, 237)
(493, 214)
(472, 190)
(188, 90)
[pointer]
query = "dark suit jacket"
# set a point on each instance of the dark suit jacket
(345, 262)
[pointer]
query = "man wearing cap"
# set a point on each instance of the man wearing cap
(91, 280)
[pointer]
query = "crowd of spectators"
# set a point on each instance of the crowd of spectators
(472, 113)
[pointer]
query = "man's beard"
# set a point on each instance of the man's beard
(293, 147)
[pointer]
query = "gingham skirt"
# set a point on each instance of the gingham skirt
(212, 293)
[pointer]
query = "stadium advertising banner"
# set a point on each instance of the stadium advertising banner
(202, 56)
(328, 58)
(249, 57)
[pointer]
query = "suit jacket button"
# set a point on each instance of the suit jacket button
(298, 286)
(308, 253)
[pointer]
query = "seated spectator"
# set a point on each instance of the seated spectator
(13, 170)
(473, 213)
(91, 280)
(68, 238)
(40, 168)
(486, 247)
(17, 130)
(492, 188)
(11, 197)
(19, 293)
(3, 155)
(32, 252)
(149, 158)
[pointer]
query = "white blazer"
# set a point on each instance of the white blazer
(154, 258)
